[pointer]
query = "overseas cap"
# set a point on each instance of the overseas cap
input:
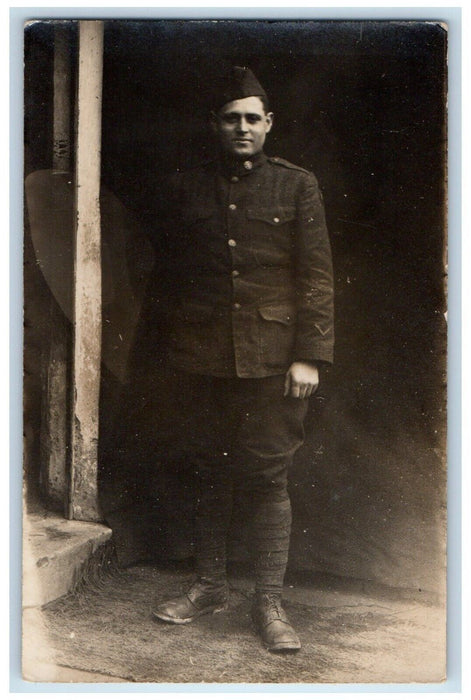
(239, 82)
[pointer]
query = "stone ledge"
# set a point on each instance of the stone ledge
(55, 554)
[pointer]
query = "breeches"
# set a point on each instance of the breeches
(244, 430)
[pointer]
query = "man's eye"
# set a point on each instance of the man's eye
(230, 119)
(253, 119)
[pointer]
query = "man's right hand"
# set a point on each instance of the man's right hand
(302, 380)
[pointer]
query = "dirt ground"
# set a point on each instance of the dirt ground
(352, 632)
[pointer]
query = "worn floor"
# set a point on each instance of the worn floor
(351, 631)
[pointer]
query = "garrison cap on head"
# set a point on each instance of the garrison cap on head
(239, 82)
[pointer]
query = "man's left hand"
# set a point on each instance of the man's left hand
(302, 380)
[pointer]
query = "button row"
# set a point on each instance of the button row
(235, 273)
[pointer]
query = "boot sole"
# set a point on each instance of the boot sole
(287, 648)
(187, 620)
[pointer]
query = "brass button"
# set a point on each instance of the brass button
(232, 206)
(234, 178)
(236, 306)
(235, 273)
(276, 220)
(248, 165)
(232, 242)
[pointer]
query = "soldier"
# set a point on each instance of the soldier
(249, 321)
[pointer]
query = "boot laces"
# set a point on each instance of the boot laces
(274, 604)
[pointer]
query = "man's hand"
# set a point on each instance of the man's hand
(302, 380)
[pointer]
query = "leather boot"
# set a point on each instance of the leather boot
(202, 598)
(272, 624)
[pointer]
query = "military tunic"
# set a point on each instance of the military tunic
(245, 275)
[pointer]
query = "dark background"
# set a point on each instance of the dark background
(362, 104)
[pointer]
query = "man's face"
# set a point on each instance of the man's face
(242, 126)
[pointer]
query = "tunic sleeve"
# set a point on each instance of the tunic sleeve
(314, 277)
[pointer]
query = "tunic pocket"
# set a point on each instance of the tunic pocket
(277, 333)
(271, 232)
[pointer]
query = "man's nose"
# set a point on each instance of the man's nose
(242, 125)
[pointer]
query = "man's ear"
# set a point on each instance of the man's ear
(269, 117)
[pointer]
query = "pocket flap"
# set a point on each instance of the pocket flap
(282, 313)
(272, 215)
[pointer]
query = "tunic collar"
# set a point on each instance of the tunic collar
(231, 167)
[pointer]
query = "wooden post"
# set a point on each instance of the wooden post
(62, 82)
(83, 501)
(53, 474)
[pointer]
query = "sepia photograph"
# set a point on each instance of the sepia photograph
(235, 351)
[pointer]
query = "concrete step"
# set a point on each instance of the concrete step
(56, 555)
